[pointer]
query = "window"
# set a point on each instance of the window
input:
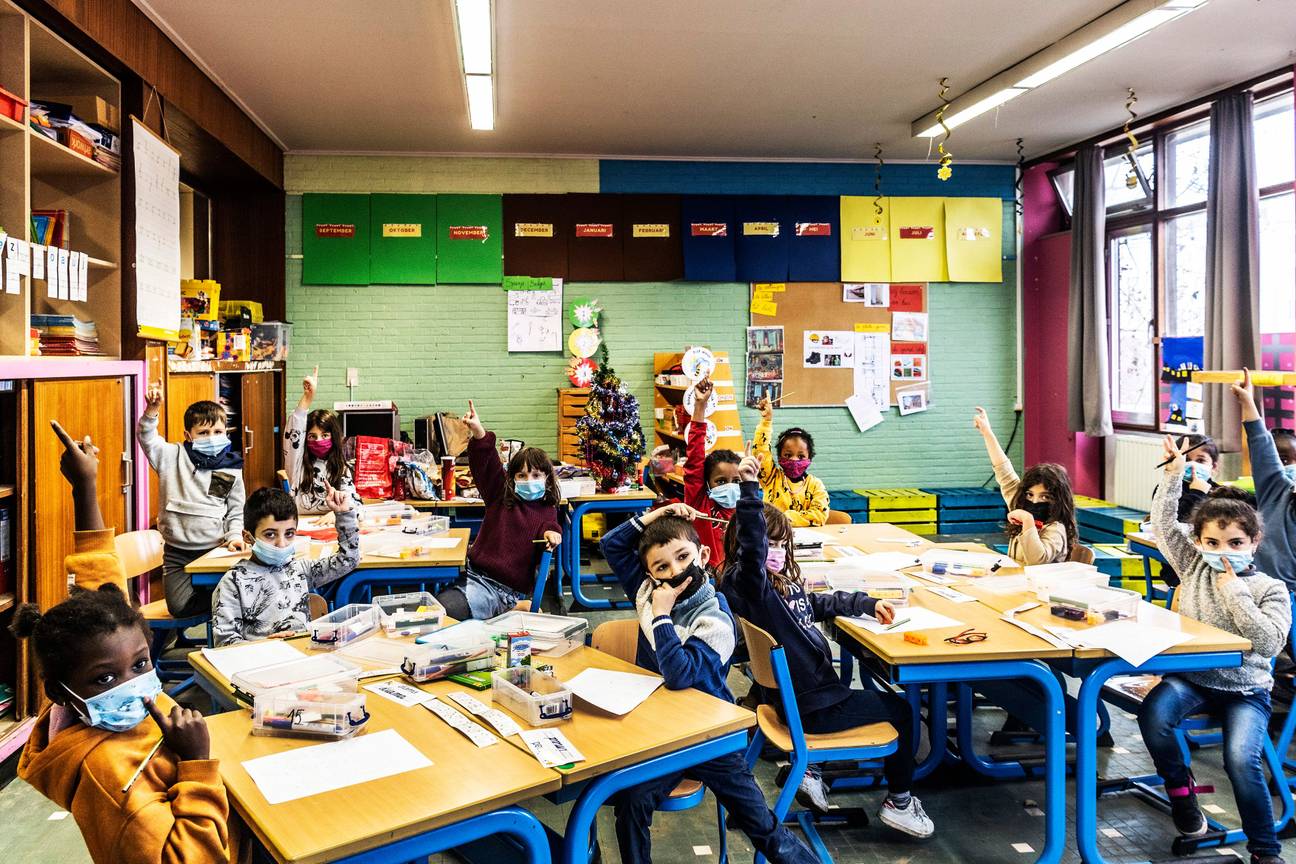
(1187, 165)
(1128, 181)
(1275, 143)
(1132, 283)
(1185, 275)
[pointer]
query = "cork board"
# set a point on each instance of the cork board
(812, 306)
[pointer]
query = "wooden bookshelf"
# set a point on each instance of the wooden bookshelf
(669, 397)
(49, 157)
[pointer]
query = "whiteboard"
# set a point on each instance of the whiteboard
(157, 234)
(535, 319)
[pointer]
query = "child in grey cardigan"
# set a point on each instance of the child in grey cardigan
(1219, 586)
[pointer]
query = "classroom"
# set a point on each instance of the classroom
(540, 431)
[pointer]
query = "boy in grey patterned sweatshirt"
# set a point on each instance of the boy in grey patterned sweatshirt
(266, 594)
(1221, 587)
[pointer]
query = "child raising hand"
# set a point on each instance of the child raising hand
(788, 484)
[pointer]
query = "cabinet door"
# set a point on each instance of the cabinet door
(258, 419)
(94, 407)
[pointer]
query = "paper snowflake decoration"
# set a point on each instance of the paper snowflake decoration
(585, 312)
(581, 372)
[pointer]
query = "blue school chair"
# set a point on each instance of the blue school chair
(872, 742)
(542, 577)
(620, 639)
(140, 553)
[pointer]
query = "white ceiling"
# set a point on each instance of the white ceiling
(723, 78)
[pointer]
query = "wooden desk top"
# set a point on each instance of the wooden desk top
(635, 495)
(346, 821)
(875, 537)
(420, 504)
(455, 556)
(1145, 538)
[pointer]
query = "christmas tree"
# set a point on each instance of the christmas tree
(610, 434)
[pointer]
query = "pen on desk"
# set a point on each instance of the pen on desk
(895, 624)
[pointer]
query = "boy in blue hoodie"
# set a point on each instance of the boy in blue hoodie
(1273, 467)
(686, 635)
(763, 584)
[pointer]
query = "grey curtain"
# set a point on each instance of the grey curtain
(1088, 382)
(1232, 260)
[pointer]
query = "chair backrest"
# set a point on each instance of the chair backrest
(541, 579)
(759, 646)
(1081, 554)
(618, 638)
(316, 606)
(139, 551)
(838, 517)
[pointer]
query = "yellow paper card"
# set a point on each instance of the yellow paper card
(918, 240)
(764, 307)
(872, 328)
(865, 252)
(974, 239)
(772, 287)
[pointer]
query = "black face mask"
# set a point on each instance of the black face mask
(1039, 509)
(693, 571)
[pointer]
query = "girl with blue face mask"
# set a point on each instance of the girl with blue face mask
(520, 522)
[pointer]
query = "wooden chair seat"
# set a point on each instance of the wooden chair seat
(686, 788)
(871, 735)
(156, 611)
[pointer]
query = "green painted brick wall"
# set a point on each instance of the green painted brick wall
(431, 348)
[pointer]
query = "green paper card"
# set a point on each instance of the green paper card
(402, 239)
(528, 283)
(335, 239)
(470, 246)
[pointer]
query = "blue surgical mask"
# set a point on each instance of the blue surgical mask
(1215, 560)
(275, 556)
(1196, 469)
(120, 709)
(529, 490)
(211, 445)
(726, 495)
(1289, 471)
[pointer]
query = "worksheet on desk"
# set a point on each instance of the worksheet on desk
(914, 618)
(251, 655)
(308, 771)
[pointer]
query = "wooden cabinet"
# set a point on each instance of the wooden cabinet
(181, 392)
(571, 407)
(258, 427)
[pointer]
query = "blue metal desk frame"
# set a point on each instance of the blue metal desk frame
(1150, 553)
(569, 554)
(514, 822)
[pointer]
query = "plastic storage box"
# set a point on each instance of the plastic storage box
(537, 697)
(466, 647)
(270, 340)
(1044, 580)
(552, 635)
(400, 614)
(893, 591)
(309, 714)
(322, 672)
(1094, 604)
(343, 626)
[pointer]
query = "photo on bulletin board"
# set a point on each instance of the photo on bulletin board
(758, 390)
(765, 367)
(874, 294)
(912, 400)
(764, 339)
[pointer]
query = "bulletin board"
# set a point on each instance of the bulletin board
(818, 306)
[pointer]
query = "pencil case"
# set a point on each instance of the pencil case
(411, 614)
(343, 626)
(1095, 605)
(538, 698)
(324, 673)
(551, 635)
(1044, 580)
(309, 714)
(465, 647)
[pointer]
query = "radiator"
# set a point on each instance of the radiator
(1135, 470)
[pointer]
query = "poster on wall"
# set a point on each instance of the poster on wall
(1181, 399)
(535, 318)
(157, 234)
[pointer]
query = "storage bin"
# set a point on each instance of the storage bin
(270, 340)
(11, 106)
(343, 626)
(1094, 604)
(309, 714)
(538, 698)
(411, 614)
(322, 672)
(1042, 580)
(552, 635)
(465, 647)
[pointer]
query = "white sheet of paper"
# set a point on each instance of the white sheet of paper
(474, 732)
(504, 724)
(886, 561)
(1038, 633)
(971, 559)
(83, 274)
(807, 536)
(24, 258)
(1194, 410)
(308, 771)
(919, 618)
(615, 692)
(863, 411)
(75, 289)
(239, 658)
(1133, 642)
(903, 541)
(400, 693)
(51, 270)
(1196, 391)
(551, 747)
(12, 285)
(65, 284)
(909, 326)
(38, 261)
(951, 594)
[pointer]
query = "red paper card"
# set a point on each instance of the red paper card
(906, 298)
(908, 347)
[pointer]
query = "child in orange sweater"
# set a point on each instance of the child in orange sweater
(131, 766)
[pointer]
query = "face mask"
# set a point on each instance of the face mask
(529, 490)
(319, 447)
(120, 709)
(1215, 560)
(1039, 509)
(726, 495)
(211, 445)
(1289, 471)
(275, 556)
(1196, 469)
(795, 469)
(694, 572)
(775, 559)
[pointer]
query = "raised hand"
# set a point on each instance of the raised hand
(766, 408)
(981, 421)
(335, 499)
(184, 731)
(311, 383)
(1174, 454)
(80, 460)
(153, 399)
(473, 422)
(749, 467)
(682, 511)
(1245, 395)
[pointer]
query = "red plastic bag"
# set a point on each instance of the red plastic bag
(373, 467)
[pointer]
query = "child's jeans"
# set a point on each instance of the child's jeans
(733, 785)
(182, 598)
(1246, 724)
(862, 707)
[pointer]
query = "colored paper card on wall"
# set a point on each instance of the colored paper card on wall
(974, 239)
(1180, 357)
(761, 245)
(335, 239)
(814, 248)
(402, 239)
(707, 226)
(536, 232)
(469, 239)
(865, 239)
(907, 297)
(595, 250)
(918, 240)
(650, 238)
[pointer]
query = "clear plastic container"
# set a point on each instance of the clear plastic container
(551, 635)
(537, 697)
(410, 614)
(894, 592)
(1044, 580)
(1095, 604)
(270, 340)
(343, 626)
(466, 647)
(309, 714)
(321, 672)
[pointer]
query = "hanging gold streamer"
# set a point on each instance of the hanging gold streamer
(1131, 179)
(1021, 175)
(877, 184)
(944, 172)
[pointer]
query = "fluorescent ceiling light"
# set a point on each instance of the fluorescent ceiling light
(1116, 38)
(960, 117)
(481, 102)
(475, 35)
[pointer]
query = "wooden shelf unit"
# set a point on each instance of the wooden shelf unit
(667, 398)
(571, 407)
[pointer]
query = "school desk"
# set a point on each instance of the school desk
(1145, 543)
(439, 565)
(569, 553)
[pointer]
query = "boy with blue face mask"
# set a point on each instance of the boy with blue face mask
(265, 596)
(1273, 467)
(200, 496)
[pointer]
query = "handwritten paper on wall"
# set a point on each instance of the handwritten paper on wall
(157, 234)
(535, 319)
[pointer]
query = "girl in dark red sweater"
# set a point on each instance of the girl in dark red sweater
(521, 507)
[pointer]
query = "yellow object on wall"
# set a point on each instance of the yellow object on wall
(973, 239)
(865, 239)
(918, 240)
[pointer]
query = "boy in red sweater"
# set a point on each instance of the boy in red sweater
(710, 481)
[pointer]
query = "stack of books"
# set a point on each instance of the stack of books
(66, 336)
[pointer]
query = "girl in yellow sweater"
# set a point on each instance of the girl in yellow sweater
(788, 483)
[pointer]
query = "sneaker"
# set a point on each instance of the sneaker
(812, 794)
(1188, 818)
(1267, 859)
(912, 820)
